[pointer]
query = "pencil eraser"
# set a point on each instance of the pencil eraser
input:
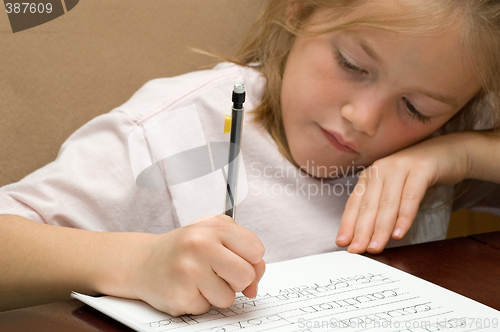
(239, 88)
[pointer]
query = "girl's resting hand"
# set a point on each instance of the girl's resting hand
(387, 197)
(199, 265)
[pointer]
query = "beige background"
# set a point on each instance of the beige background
(59, 75)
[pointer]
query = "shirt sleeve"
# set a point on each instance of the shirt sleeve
(481, 196)
(90, 185)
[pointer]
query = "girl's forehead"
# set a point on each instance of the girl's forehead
(411, 16)
(438, 32)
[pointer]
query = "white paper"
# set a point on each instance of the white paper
(328, 292)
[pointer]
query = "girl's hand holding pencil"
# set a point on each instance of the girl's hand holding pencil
(199, 265)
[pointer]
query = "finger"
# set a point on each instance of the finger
(368, 210)
(413, 193)
(217, 291)
(389, 205)
(251, 291)
(350, 214)
(237, 272)
(191, 302)
(236, 238)
(260, 268)
(198, 305)
(244, 243)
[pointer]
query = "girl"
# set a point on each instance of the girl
(333, 87)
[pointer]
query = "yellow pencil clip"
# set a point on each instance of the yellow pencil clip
(227, 124)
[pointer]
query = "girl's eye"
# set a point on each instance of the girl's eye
(344, 63)
(414, 112)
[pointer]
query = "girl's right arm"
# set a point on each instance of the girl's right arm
(183, 271)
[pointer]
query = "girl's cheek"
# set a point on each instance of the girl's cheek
(401, 137)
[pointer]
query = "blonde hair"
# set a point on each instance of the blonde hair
(270, 40)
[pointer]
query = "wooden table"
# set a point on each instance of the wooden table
(469, 266)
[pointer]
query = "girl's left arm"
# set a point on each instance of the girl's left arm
(387, 197)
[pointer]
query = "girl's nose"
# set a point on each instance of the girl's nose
(364, 115)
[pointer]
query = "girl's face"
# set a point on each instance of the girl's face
(353, 96)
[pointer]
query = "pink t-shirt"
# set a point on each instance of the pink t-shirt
(153, 164)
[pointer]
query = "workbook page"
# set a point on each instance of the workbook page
(328, 292)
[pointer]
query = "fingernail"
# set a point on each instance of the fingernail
(373, 244)
(341, 238)
(354, 246)
(398, 232)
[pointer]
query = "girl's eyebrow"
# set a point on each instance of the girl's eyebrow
(451, 101)
(367, 48)
(444, 99)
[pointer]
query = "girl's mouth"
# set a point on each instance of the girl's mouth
(338, 142)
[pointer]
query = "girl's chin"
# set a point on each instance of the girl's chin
(329, 169)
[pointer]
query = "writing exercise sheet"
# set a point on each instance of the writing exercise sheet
(328, 292)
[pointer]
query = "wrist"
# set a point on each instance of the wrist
(123, 255)
(452, 157)
(482, 155)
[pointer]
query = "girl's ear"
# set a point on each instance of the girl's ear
(292, 13)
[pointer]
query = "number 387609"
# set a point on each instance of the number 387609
(28, 8)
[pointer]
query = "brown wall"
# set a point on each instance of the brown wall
(57, 76)
(466, 222)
